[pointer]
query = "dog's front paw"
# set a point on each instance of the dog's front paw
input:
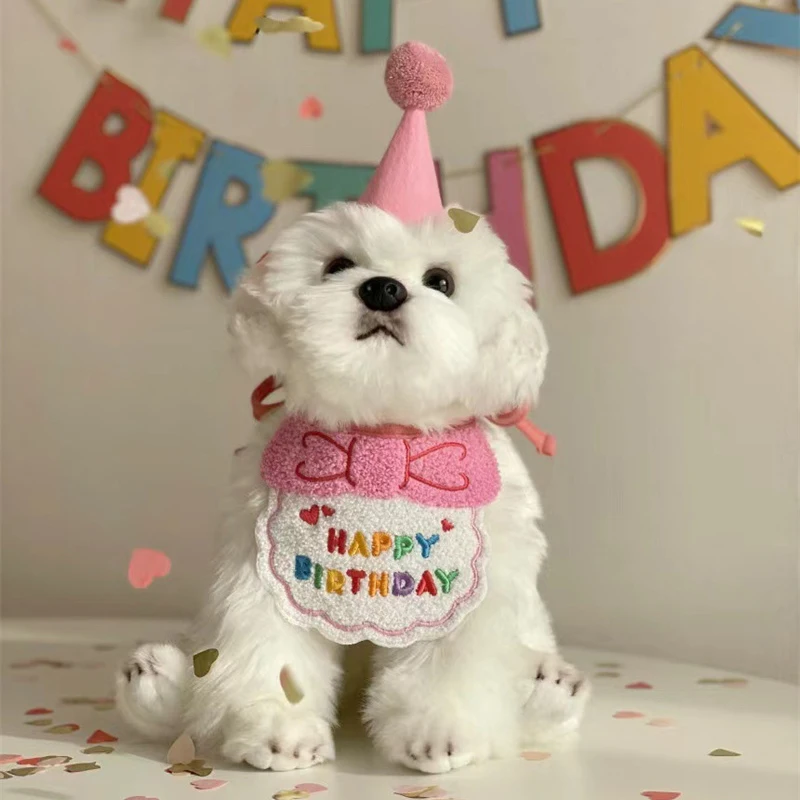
(271, 735)
(556, 699)
(429, 740)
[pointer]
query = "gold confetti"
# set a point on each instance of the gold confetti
(291, 794)
(54, 761)
(607, 674)
(464, 221)
(97, 748)
(204, 660)
(755, 227)
(70, 727)
(608, 665)
(283, 180)
(721, 751)
(293, 693)
(267, 24)
(83, 766)
(167, 167)
(420, 791)
(216, 40)
(158, 225)
(23, 772)
(40, 722)
(195, 767)
(182, 750)
(737, 682)
(4, 776)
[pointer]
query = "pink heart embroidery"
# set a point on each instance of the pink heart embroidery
(328, 511)
(447, 525)
(310, 515)
(311, 108)
(639, 685)
(208, 783)
(661, 795)
(147, 565)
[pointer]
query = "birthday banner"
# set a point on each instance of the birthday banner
(712, 124)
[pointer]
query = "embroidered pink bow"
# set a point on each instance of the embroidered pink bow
(455, 468)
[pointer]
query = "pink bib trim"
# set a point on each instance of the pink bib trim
(455, 468)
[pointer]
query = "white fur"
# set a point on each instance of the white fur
(497, 682)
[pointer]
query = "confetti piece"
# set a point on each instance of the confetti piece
(607, 674)
(35, 711)
(208, 783)
(420, 791)
(464, 221)
(267, 24)
(608, 665)
(9, 758)
(662, 722)
(98, 737)
(70, 727)
(23, 772)
(167, 167)
(34, 761)
(755, 227)
(661, 795)
(290, 687)
(283, 180)
(194, 767)
(65, 43)
(638, 685)
(182, 750)
(85, 701)
(4, 776)
(40, 722)
(535, 755)
(147, 565)
(310, 108)
(627, 715)
(131, 205)
(311, 788)
(98, 748)
(55, 761)
(734, 682)
(721, 751)
(216, 40)
(290, 794)
(204, 660)
(158, 225)
(83, 766)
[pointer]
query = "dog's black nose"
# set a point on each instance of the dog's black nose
(382, 294)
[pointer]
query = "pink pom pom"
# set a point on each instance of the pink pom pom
(417, 76)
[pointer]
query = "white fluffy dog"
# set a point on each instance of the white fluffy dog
(464, 344)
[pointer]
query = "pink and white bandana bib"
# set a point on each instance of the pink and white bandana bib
(376, 536)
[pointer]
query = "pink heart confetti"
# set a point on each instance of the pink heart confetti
(208, 783)
(65, 43)
(311, 787)
(98, 737)
(638, 685)
(662, 722)
(36, 711)
(661, 795)
(535, 755)
(147, 565)
(310, 108)
(628, 715)
(9, 758)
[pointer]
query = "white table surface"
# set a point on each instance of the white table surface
(615, 759)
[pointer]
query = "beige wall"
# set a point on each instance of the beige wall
(672, 505)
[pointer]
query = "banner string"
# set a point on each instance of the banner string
(523, 154)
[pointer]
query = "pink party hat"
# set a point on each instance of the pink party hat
(418, 80)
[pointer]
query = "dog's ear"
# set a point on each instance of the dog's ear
(253, 325)
(513, 361)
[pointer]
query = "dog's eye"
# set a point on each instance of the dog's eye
(338, 264)
(439, 279)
